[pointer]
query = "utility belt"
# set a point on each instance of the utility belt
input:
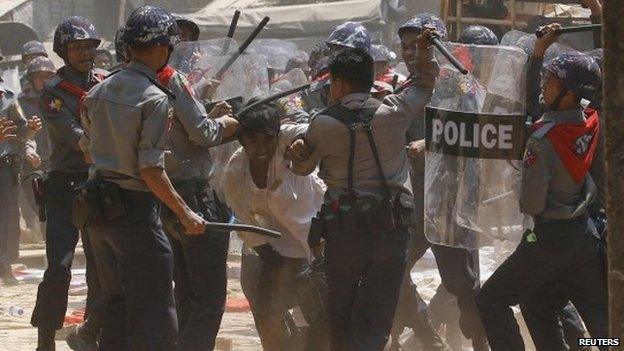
(364, 216)
(98, 203)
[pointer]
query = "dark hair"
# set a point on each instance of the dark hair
(264, 118)
(355, 66)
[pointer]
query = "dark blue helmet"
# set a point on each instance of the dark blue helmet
(579, 72)
(150, 25)
(187, 23)
(34, 47)
(350, 35)
(478, 35)
(75, 28)
(121, 48)
(40, 64)
(423, 20)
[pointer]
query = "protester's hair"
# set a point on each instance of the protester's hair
(354, 66)
(264, 118)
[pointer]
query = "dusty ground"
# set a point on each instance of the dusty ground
(237, 332)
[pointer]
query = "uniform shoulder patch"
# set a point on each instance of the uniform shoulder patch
(53, 104)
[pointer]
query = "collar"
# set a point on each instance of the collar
(137, 66)
(74, 77)
(354, 98)
(564, 116)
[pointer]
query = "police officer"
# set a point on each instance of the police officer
(30, 50)
(459, 268)
(75, 41)
(12, 151)
(200, 268)
(126, 118)
(366, 170)
(560, 255)
(38, 71)
(346, 35)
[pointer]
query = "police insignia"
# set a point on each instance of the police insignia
(529, 158)
(54, 105)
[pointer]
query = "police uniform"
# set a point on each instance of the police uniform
(126, 119)
(200, 269)
(60, 104)
(459, 268)
(11, 155)
(559, 260)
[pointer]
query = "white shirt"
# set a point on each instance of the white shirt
(287, 204)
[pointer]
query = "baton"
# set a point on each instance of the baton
(231, 31)
(438, 44)
(242, 48)
(272, 98)
(395, 80)
(572, 29)
(244, 227)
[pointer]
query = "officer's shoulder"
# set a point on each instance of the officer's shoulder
(51, 83)
(539, 134)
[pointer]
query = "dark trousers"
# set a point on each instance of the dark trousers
(9, 217)
(200, 269)
(364, 276)
(565, 258)
(135, 266)
(62, 237)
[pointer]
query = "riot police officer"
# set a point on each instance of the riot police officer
(560, 255)
(459, 268)
(75, 40)
(368, 201)
(126, 118)
(12, 151)
(200, 268)
(30, 51)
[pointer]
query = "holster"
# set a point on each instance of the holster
(39, 190)
(98, 202)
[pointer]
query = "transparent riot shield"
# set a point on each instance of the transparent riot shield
(475, 132)
(276, 52)
(293, 106)
(526, 41)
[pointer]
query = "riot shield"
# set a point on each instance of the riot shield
(201, 60)
(276, 52)
(475, 132)
(293, 106)
(526, 41)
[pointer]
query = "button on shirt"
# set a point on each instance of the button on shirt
(548, 190)
(287, 204)
(190, 135)
(126, 119)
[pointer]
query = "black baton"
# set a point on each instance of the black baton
(244, 228)
(572, 29)
(272, 98)
(438, 44)
(231, 31)
(241, 49)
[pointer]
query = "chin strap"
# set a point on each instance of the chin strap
(555, 104)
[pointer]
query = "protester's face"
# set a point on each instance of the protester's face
(102, 61)
(81, 54)
(551, 87)
(260, 146)
(409, 49)
(39, 78)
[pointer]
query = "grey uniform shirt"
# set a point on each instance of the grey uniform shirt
(548, 190)
(190, 134)
(125, 121)
(60, 110)
(18, 147)
(329, 140)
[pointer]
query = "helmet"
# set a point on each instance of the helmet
(382, 53)
(121, 49)
(34, 47)
(150, 25)
(424, 20)
(478, 35)
(185, 22)
(351, 35)
(40, 64)
(74, 28)
(579, 72)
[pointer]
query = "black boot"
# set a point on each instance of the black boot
(45, 340)
(81, 339)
